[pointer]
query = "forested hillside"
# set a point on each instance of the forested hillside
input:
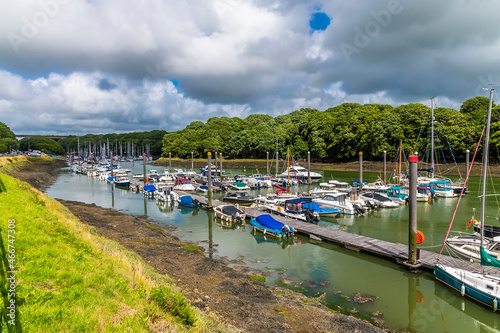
(7, 139)
(340, 133)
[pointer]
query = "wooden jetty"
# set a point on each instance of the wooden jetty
(358, 243)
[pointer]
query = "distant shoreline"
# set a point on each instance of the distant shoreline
(368, 166)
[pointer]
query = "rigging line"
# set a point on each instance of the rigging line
(462, 192)
(451, 150)
(418, 137)
(494, 191)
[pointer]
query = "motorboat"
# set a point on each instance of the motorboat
(166, 195)
(323, 189)
(149, 191)
(238, 186)
(300, 173)
(229, 213)
(269, 226)
(183, 184)
(379, 199)
(240, 198)
(443, 188)
(339, 201)
(294, 209)
(122, 181)
(313, 206)
(188, 202)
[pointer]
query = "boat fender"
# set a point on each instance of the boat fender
(462, 290)
(495, 305)
(420, 237)
(265, 231)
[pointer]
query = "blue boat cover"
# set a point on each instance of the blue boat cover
(268, 221)
(298, 200)
(149, 188)
(311, 206)
(186, 200)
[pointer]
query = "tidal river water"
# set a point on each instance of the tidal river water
(406, 301)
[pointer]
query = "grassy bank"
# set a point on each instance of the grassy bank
(69, 279)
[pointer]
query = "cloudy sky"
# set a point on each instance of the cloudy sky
(88, 66)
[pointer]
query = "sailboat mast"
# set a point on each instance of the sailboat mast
(432, 136)
(288, 168)
(400, 153)
(485, 167)
(277, 157)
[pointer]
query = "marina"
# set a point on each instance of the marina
(315, 255)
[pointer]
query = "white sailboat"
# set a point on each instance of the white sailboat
(480, 286)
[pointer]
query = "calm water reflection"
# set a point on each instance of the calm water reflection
(322, 269)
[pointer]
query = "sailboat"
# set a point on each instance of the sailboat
(443, 186)
(480, 286)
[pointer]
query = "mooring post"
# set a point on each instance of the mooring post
(277, 161)
(467, 162)
(267, 167)
(220, 169)
(169, 162)
(309, 167)
(385, 163)
(112, 174)
(192, 161)
(144, 167)
(216, 160)
(412, 226)
(209, 176)
(360, 186)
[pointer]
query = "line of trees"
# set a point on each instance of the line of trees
(340, 133)
(7, 139)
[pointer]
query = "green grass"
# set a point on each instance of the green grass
(71, 280)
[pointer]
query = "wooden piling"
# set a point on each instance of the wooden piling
(209, 177)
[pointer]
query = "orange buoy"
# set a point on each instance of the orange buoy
(420, 237)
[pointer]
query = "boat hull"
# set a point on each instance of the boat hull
(462, 281)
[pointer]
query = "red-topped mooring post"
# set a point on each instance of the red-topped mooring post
(412, 225)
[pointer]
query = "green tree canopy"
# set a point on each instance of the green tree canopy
(42, 143)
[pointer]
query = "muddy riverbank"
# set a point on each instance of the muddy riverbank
(216, 286)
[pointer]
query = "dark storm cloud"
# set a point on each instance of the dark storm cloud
(74, 65)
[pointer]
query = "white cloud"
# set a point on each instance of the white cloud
(90, 66)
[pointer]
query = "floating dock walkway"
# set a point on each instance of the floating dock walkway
(358, 243)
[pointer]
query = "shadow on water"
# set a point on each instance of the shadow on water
(8, 294)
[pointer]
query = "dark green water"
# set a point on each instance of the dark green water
(326, 270)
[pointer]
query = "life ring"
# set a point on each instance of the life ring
(279, 209)
(420, 237)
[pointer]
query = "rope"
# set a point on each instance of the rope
(451, 151)
(462, 192)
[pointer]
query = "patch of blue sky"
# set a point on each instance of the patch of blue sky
(319, 21)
